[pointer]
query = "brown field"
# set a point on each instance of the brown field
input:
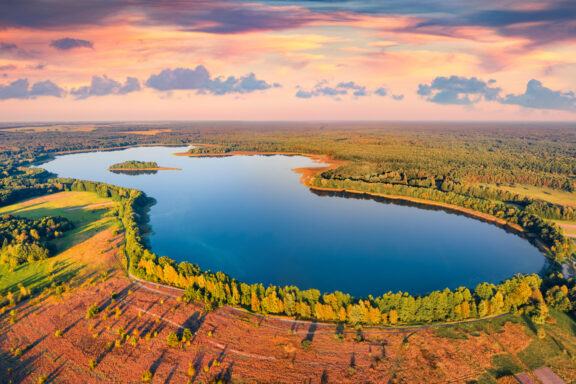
(150, 132)
(246, 348)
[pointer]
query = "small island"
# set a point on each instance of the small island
(135, 165)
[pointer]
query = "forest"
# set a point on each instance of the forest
(134, 164)
(448, 163)
(25, 240)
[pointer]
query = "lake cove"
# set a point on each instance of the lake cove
(249, 217)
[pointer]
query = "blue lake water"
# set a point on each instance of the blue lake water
(248, 216)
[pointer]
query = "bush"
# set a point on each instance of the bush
(58, 333)
(172, 339)
(306, 344)
(147, 377)
(92, 311)
(187, 335)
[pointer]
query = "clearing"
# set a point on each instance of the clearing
(79, 248)
(551, 195)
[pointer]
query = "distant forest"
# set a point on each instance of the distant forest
(453, 163)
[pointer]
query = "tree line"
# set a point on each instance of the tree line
(521, 293)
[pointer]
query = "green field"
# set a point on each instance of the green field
(89, 214)
(551, 195)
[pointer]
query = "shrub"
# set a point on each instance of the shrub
(172, 339)
(306, 344)
(147, 377)
(58, 333)
(187, 335)
(92, 311)
(92, 364)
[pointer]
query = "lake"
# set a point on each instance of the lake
(249, 217)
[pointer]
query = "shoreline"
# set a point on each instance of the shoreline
(116, 148)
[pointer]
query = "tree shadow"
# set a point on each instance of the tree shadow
(224, 376)
(311, 331)
(55, 373)
(194, 323)
(171, 374)
(156, 364)
(324, 378)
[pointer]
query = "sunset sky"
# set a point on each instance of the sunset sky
(287, 60)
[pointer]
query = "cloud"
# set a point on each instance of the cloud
(68, 43)
(20, 89)
(458, 90)
(218, 16)
(551, 23)
(13, 51)
(537, 96)
(228, 17)
(46, 88)
(350, 88)
(131, 84)
(398, 97)
(200, 80)
(180, 78)
(538, 22)
(381, 91)
(322, 88)
(8, 67)
(16, 90)
(358, 90)
(104, 86)
(8, 47)
(61, 13)
(37, 67)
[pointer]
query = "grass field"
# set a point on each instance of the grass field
(546, 194)
(92, 232)
(568, 227)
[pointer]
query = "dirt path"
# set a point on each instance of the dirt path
(367, 330)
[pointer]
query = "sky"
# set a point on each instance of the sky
(105, 60)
